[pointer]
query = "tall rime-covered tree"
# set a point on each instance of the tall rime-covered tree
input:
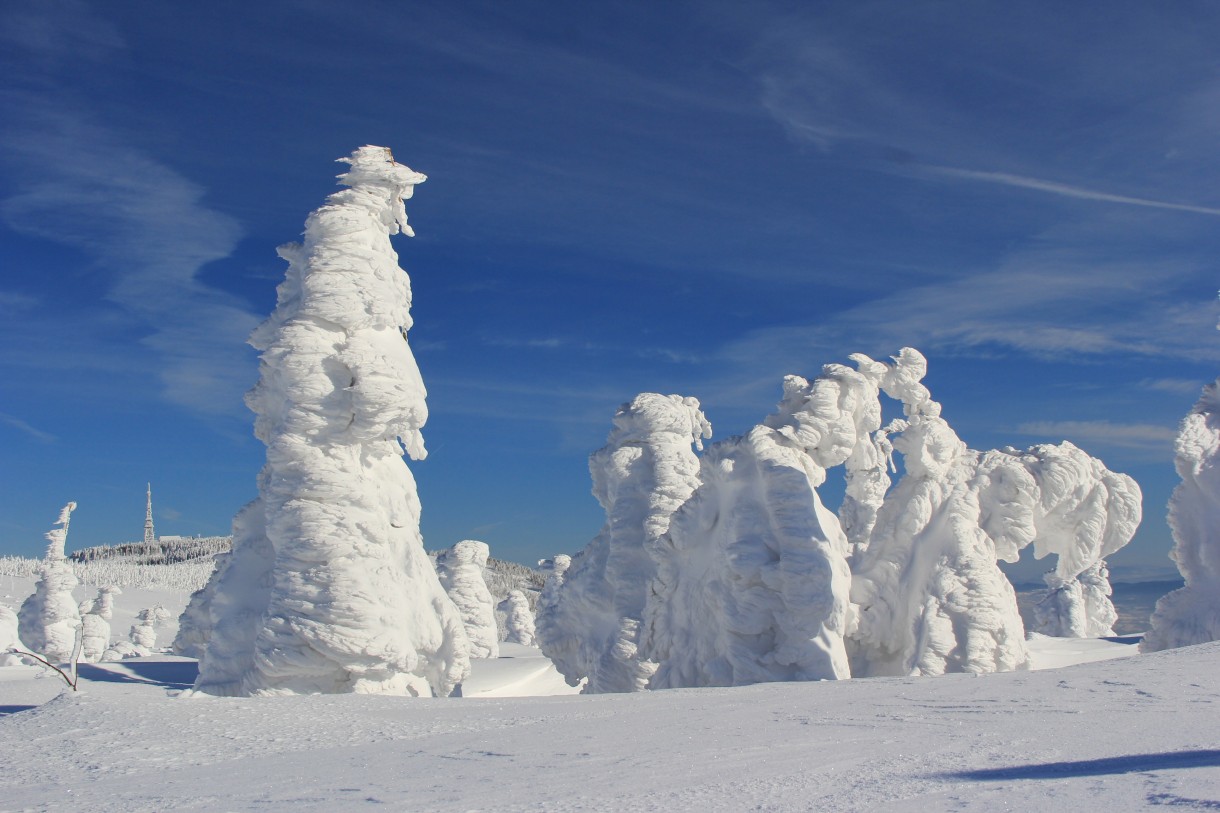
(49, 620)
(328, 587)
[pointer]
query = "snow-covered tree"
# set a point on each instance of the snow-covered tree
(329, 588)
(49, 620)
(520, 621)
(1083, 513)
(645, 471)
(195, 623)
(8, 637)
(556, 622)
(931, 597)
(752, 577)
(95, 624)
(1191, 615)
(460, 569)
(144, 631)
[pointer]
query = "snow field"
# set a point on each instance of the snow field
(1119, 735)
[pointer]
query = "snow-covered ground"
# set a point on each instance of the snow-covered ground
(1117, 735)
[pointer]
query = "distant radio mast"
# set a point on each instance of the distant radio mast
(150, 536)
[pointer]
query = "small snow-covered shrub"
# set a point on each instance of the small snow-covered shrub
(144, 631)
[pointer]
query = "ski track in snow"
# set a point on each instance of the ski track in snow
(1116, 735)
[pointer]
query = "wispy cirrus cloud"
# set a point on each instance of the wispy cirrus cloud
(1062, 189)
(143, 226)
(20, 425)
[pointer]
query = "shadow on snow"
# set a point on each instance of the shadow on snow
(170, 674)
(1135, 763)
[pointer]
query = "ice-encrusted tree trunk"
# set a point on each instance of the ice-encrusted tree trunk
(1191, 614)
(752, 577)
(520, 621)
(646, 470)
(49, 620)
(328, 587)
(95, 624)
(461, 569)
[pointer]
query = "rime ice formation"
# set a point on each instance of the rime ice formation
(195, 623)
(460, 569)
(1083, 513)
(1191, 615)
(95, 624)
(752, 577)
(49, 620)
(144, 631)
(328, 587)
(556, 625)
(8, 637)
(930, 594)
(931, 597)
(645, 471)
(520, 621)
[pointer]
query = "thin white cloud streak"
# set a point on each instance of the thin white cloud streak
(17, 423)
(1125, 435)
(1064, 190)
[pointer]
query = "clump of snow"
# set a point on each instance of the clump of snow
(520, 621)
(1191, 615)
(460, 569)
(752, 577)
(95, 624)
(328, 587)
(645, 471)
(49, 620)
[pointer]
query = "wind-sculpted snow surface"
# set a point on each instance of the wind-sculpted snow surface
(1191, 615)
(460, 570)
(752, 578)
(328, 587)
(645, 471)
(520, 621)
(49, 620)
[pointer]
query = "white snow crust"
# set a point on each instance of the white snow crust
(1191, 615)
(328, 588)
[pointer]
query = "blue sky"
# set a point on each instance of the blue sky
(692, 198)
